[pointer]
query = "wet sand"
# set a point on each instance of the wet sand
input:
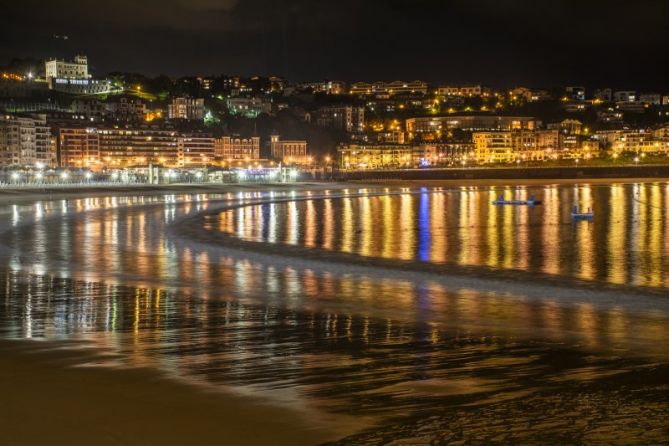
(47, 398)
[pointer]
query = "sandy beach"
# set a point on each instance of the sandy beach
(49, 398)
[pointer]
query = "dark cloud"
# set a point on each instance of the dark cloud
(492, 41)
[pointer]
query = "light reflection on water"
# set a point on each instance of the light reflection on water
(381, 347)
(627, 243)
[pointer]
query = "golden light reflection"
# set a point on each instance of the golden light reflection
(624, 244)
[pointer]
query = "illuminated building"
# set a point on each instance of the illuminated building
(517, 145)
(79, 147)
(493, 147)
(624, 96)
(73, 77)
(111, 147)
(347, 118)
(388, 88)
(374, 156)
(195, 149)
(575, 93)
(548, 142)
(392, 136)
(650, 98)
(634, 141)
(466, 90)
(569, 126)
(248, 107)
(126, 108)
(289, 152)
(24, 141)
(442, 154)
(91, 108)
(80, 86)
(610, 116)
(327, 87)
(526, 147)
(604, 94)
(235, 149)
(190, 109)
(662, 133)
(60, 69)
(431, 127)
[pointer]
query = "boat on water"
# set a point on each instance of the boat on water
(577, 215)
(529, 202)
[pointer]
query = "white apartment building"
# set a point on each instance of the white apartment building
(24, 141)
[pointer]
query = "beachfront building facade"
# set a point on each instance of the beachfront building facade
(289, 152)
(442, 154)
(374, 156)
(196, 150)
(99, 148)
(638, 141)
(493, 147)
(230, 149)
(24, 141)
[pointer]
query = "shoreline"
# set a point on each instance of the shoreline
(9, 196)
(83, 401)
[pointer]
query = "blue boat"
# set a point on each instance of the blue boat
(530, 202)
(576, 215)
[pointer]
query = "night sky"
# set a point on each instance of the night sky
(617, 43)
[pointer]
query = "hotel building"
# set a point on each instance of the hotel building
(375, 156)
(432, 127)
(24, 141)
(230, 149)
(289, 152)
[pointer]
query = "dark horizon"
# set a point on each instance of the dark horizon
(500, 43)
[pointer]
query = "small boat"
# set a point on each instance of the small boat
(576, 215)
(530, 202)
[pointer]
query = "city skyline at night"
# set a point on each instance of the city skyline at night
(334, 222)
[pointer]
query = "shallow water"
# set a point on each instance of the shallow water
(410, 354)
(626, 243)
